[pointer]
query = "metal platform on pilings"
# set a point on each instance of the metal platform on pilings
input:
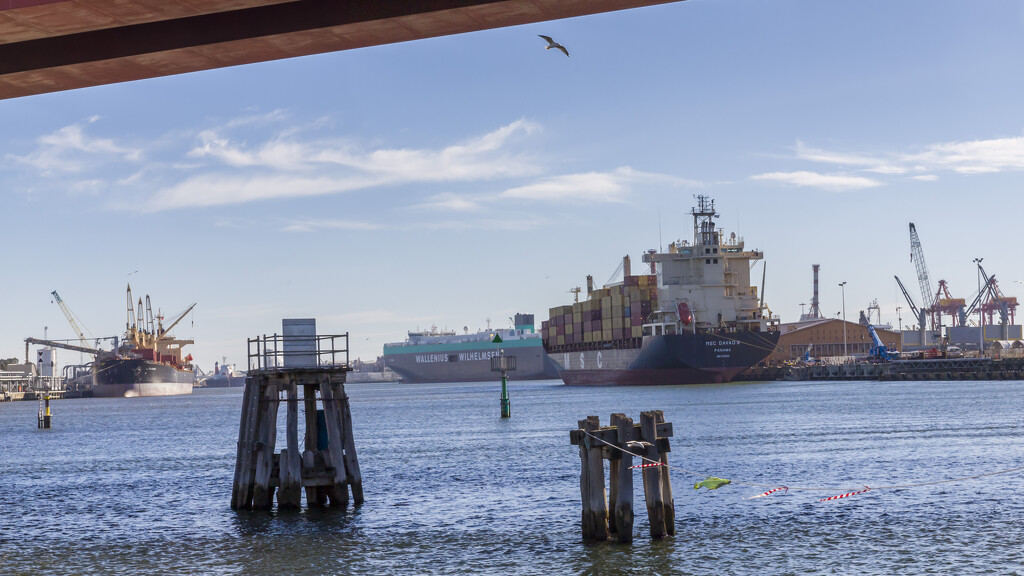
(280, 367)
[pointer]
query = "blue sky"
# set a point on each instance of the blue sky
(458, 179)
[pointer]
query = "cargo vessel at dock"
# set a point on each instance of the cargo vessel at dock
(445, 356)
(224, 376)
(149, 362)
(694, 319)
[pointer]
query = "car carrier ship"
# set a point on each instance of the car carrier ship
(695, 319)
(445, 356)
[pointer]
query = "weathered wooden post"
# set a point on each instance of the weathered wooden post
(289, 494)
(334, 455)
(652, 475)
(614, 460)
(241, 493)
(263, 492)
(352, 474)
(598, 499)
(666, 483)
(585, 520)
(624, 494)
(312, 458)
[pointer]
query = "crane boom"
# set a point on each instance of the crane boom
(71, 318)
(879, 351)
(917, 255)
(616, 273)
(56, 344)
(910, 300)
(164, 331)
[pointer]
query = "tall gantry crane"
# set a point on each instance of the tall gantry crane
(917, 257)
(71, 319)
(996, 302)
(944, 303)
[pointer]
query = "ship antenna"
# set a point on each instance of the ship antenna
(660, 245)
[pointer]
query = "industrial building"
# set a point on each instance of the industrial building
(825, 337)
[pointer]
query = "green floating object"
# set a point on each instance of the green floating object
(711, 483)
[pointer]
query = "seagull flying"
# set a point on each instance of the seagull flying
(553, 44)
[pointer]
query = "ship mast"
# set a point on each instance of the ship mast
(703, 222)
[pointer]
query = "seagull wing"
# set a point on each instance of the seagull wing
(548, 38)
(562, 48)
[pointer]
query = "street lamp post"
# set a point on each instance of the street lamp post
(843, 286)
(899, 318)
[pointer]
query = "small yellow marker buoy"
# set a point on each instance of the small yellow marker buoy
(44, 413)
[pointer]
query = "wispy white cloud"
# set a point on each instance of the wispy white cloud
(613, 186)
(90, 187)
(963, 157)
(517, 224)
(310, 225)
(925, 177)
(273, 117)
(450, 202)
(805, 152)
(973, 157)
(833, 182)
(482, 158)
(236, 163)
(71, 150)
(280, 168)
(208, 190)
(590, 186)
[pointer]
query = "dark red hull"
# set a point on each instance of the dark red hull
(649, 377)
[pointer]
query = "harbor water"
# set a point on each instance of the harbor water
(143, 485)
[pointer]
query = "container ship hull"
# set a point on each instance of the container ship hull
(135, 377)
(469, 363)
(669, 360)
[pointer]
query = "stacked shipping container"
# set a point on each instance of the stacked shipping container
(614, 314)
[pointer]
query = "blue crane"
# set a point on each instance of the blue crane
(879, 352)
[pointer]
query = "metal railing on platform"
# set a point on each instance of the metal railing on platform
(281, 353)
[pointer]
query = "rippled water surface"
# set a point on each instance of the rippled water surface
(143, 486)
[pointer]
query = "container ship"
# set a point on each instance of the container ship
(445, 356)
(694, 319)
(148, 362)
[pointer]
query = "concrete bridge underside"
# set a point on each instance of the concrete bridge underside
(54, 45)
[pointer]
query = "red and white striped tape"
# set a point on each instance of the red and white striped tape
(845, 495)
(645, 465)
(786, 488)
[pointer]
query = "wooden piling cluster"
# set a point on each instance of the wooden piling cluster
(327, 466)
(324, 469)
(618, 443)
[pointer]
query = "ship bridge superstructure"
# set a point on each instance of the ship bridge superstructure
(705, 284)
